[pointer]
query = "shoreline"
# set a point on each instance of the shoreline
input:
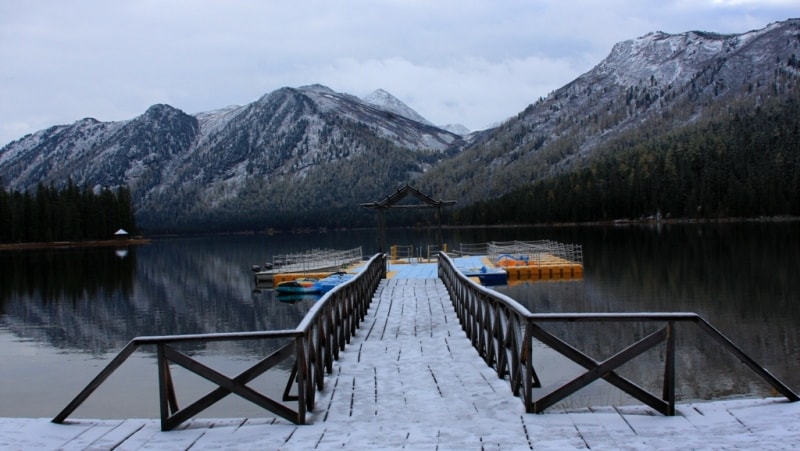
(73, 244)
(608, 223)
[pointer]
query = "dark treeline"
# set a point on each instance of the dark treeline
(68, 214)
(742, 161)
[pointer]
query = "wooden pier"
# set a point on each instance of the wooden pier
(410, 378)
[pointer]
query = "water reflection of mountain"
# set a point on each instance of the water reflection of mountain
(91, 300)
(740, 277)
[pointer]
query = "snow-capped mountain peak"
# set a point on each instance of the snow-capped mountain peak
(385, 101)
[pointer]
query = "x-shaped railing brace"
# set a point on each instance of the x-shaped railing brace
(171, 415)
(605, 369)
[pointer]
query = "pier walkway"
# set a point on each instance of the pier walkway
(410, 379)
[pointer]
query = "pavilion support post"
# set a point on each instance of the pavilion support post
(440, 235)
(381, 231)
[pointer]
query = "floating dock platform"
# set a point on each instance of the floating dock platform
(314, 263)
(521, 261)
(494, 263)
(550, 267)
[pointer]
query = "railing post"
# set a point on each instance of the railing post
(163, 396)
(302, 376)
(669, 369)
(527, 355)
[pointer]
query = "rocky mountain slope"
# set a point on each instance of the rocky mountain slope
(184, 169)
(309, 155)
(658, 81)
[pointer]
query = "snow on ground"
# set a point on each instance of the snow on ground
(764, 424)
(410, 379)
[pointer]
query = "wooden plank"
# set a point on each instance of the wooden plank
(92, 435)
(150, 437)
(18, 433)
(237, 433)
(604, 428)
(555, 431)
(118, 437)
(654, 430)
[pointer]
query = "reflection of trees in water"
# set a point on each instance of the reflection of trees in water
(89, 300)
(70, 274)
(721, 267)
(51, 294)
(740, 277)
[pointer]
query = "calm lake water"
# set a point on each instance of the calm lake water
(65, 313)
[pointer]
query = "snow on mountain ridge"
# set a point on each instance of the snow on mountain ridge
(458, 129)
(387, 102)
(672, 58)
(666, 58)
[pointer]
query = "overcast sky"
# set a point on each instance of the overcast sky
(453, 61)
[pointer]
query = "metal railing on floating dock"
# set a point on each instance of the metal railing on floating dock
(531, 260)
(313, 261)
(540, 253)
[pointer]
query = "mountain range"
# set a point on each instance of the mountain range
(308, 156)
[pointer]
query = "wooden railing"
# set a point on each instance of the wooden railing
(503, 331)
(314, 344)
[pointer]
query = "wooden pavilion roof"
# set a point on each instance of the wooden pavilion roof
(392, 200)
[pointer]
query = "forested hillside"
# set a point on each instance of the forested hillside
(71, 214)
(739, 160)
(695, 124)
(327, 195)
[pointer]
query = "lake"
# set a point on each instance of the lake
(64, 313)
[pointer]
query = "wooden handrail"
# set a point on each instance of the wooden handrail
(502, 331)
(315, 343)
